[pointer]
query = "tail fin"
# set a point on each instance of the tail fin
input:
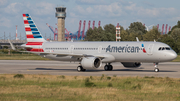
(33, 35)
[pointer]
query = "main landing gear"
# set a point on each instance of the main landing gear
(108, 67)
(156, 67)
(80, 68)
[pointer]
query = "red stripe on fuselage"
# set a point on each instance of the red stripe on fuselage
(34, 43)
(35, 49)
(29, 36)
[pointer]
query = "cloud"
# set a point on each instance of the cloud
(156, 12)
(3, 2)
(123, 12)
(5, 22)
(132, 6)
(70, 22)
(13, 8)
(111, 10)
(148, 3)
(108, 11)
(151, 12)
(42, 8)
(92, 2)
(175, 19)
(65, 0)
(11, 14)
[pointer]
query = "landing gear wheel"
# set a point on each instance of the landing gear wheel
(156, 67)
(110, 67)
(106, 67)
(80, 68)
(156, 70)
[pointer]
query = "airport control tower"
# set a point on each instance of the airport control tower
(61, 15)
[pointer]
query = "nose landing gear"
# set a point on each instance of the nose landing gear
(156, 67)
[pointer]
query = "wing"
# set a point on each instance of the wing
(71, 54)
(66, 54)
(105, 57)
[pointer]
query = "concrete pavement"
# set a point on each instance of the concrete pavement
(168, 69)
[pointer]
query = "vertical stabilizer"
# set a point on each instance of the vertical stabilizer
(33, 35)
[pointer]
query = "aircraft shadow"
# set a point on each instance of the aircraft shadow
(55, 69)
(66, 69)
(136, 70)
(127, 70)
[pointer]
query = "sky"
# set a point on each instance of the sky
(124, 12)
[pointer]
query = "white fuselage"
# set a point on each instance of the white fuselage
(111, 51)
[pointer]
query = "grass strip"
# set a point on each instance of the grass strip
(85, 88)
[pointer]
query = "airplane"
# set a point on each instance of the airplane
(91, 55)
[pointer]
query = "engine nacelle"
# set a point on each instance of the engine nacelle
(131, 64)
(91, 62)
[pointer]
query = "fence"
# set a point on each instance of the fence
(21, 38)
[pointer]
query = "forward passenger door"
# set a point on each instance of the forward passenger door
(71, 48)
(150, 49)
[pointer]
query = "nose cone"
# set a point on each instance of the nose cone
(172, 55)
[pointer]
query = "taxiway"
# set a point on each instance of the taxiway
(167, 69)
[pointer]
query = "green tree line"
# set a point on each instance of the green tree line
(136, 29)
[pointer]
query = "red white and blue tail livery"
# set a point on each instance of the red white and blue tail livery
(33, 35)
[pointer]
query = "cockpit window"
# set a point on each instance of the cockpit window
(167, 48)
(164, 48)
(160, 48)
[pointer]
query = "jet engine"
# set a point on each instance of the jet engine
(91, 62)
(131, 64)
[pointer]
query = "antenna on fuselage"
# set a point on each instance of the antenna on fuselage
(137, 39)
(154, 40)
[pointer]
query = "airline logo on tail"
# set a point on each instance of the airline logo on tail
(33, 35)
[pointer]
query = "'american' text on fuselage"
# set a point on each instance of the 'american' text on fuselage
(123, 49)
